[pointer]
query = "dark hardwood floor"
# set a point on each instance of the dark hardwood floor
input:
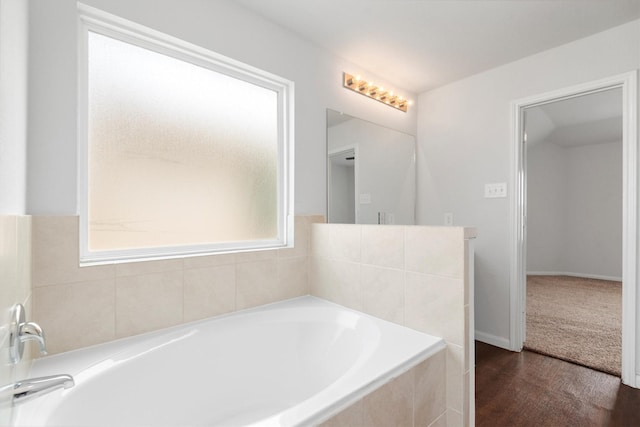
(529, 389)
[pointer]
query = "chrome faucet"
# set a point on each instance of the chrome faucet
(25, 390)
(21, 332)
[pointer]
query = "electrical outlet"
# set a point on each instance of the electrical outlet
(495, 190)
(448, 218)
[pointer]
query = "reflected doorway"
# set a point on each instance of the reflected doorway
(342, 186)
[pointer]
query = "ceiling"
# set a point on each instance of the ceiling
(422, 44)
(595, 118)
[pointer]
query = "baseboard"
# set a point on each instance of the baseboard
(564, 273)
(493, 340)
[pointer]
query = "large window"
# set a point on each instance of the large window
(183, 151)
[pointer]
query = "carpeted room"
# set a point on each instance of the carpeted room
(574, 240)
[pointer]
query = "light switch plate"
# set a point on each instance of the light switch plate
(365, 199)
(495, 190)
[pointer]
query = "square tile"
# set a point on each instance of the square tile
(349, 417)
(320, 244)
(208, 261)
(383, 293)
(146, 267)
(433, 304)
(345, 242)
(430, 389)
(75, 315)
(148, 302)
(435, 250)
(337, 281)
(256, 283)
(253, 256)
(391, 404)
(383, 245)
(293, 277)
(455, 371)
(56, 253)
(209, 292)
(302, 232)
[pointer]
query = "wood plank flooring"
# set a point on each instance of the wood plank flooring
(529, 389)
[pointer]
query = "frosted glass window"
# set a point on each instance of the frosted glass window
(178, 154)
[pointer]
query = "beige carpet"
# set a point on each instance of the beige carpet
(575, 319)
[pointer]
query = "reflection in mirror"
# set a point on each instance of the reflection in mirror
(371, 172)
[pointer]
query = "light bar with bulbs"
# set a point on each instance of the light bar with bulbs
(363, 87)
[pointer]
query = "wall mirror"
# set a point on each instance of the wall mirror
(371, 172)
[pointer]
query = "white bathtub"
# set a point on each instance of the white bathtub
(296, 362)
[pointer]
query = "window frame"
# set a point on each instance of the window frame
(97, 21)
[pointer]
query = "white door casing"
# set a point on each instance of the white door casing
(628, 83)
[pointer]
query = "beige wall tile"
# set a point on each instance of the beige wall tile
(147, 267)
(455, 370)
(454, 418)
(209, 261)
(345, 242)
(9, 285)
(434, 305)
(468, 332)
(293, 277)
(148, 302)
(337, 281)
(466, 384)
(23, 241)
(256, 283)
(383, 293)
(242, 257)
(440, 422)
(430, 389)
(320, 244)
(391, 404)
(55, 253)
(349, 417)
(467, 271)
(383, 245)
(435, 250)
(320, 276)
(301, 239)
(209, 292)
(316, 219)
(75, 315)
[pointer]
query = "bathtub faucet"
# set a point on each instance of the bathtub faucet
(25, 390)
(21, 332)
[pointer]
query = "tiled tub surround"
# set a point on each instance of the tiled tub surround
(293, 363)
(420, 277)
(416, 276)
(82, 306)
(15, 287)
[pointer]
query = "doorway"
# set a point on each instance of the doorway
(573, 174)
(342, 186)
(627, 83)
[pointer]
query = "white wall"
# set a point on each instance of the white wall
(221, 26)
(574, 213)
(546, 200)
(13, 105)
(15, 249)
(594, 208)
(464, 137)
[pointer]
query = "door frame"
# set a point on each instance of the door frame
(628, 83)
(334, 152)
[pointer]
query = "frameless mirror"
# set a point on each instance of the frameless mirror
(371, 172)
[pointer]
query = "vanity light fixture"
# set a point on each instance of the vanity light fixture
(363, 87)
